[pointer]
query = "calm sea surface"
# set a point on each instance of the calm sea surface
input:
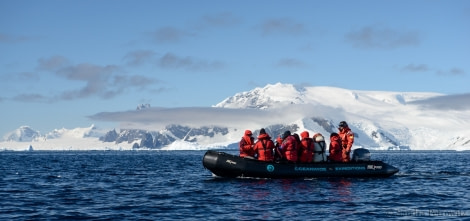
(168, 185)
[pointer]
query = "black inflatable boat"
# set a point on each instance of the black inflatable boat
(227, 165)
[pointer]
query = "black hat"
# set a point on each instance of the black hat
(285, 134)
(262, 131)
(343, 124)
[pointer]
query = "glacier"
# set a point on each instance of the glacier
(381, 120)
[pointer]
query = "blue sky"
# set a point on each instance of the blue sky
(62, 61)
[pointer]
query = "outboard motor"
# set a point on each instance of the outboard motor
(361, 154)
(319, 148)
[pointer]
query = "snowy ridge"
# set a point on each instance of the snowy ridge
(74, 133)
(380, 120)
(22, 134)
(285, 94)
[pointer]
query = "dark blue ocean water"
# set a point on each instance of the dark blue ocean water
(168, 185)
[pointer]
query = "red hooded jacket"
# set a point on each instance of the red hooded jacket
(289, 149)
(336, 150)
(306, 148)
(246, 145)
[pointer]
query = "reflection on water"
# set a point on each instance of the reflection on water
(340, 190)
(278, 198)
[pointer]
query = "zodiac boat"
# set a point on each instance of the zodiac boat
(227, 165)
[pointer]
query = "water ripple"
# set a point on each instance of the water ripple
(169, 185)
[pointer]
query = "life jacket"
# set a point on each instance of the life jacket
(246, 147)
(306, 150)
(319, 147)
(264, 147)
(289, 149)
(335, 148)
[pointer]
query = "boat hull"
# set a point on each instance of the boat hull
(227, 165)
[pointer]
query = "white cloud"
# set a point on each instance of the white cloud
(377, 36)
(153, 118)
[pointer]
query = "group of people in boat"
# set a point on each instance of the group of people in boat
(298, 149)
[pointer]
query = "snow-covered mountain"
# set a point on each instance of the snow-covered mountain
(380, 120)
(23, 134)
(27, 134)
(26, 138)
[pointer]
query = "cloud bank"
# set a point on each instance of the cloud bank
(157, 118)
(459, 102)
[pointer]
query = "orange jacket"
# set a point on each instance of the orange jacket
(347, 138)
(246, 146)
(264, 147)
(335, 148)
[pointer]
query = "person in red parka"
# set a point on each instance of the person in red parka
(247, 144)
(306, 148)
(347, 140)
(289, 147)
(336, 151)
(264, 147)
